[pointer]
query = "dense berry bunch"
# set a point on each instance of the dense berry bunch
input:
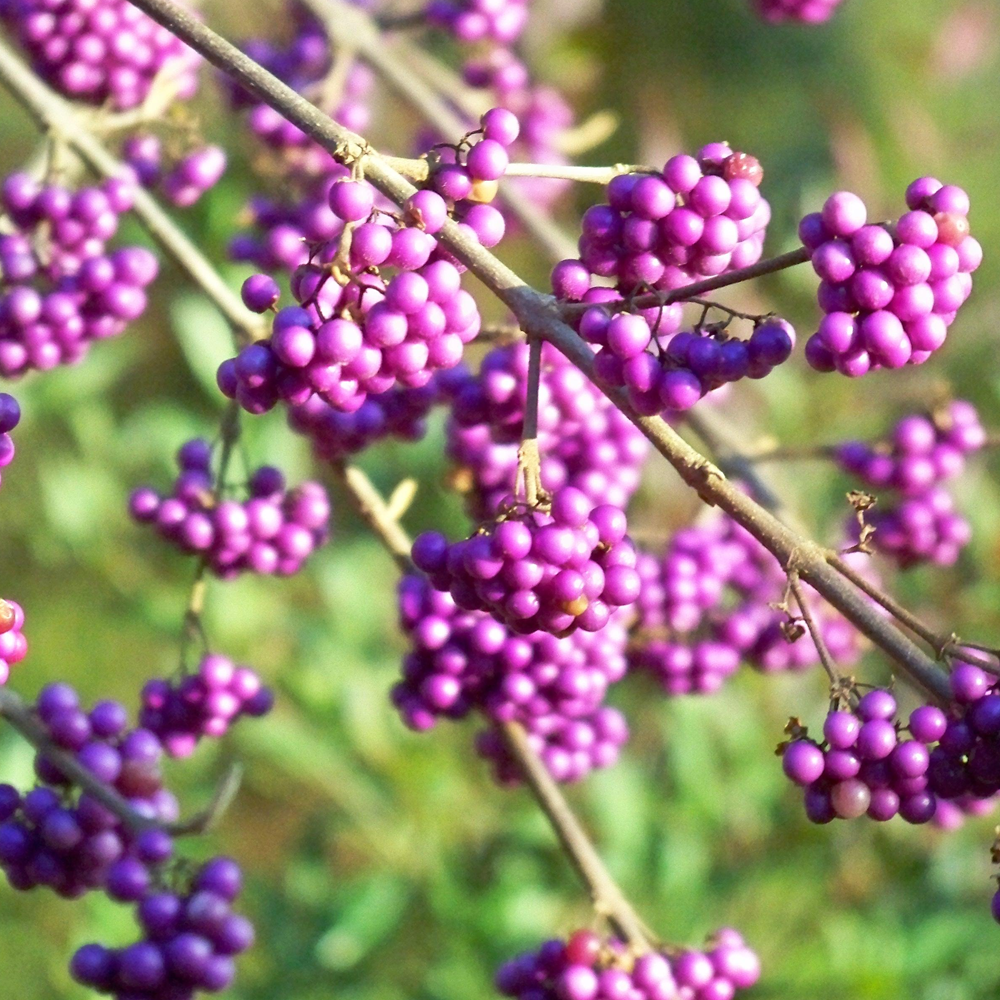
(345, 341)
(67, 840)
(889, 292)
(273, 531)
(10, 417)
(566, 566)
(189, 941)
(398, 413)
(669, 372)
(919, 529)
(862, 766)
(463, 661)
(101, 51)
(205, 703)
(60, 288)
(585, 967)
(715, 597)
(500, 21)
(13, 643)
(285, 225)
(584, 440)
(184, 180)
(701, 216)
(923, 450)
(805, 11)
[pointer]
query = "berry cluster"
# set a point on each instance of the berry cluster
(889, 292)
(205, 703)
(585, 967)
(183, 181)
(67, 840)
(584, 440)
(60, 289)
(925, 451)
(398, 413)
(863, 767)
(461, 661)
(804, 11)
(700, 216)
(471, 21)
(13, 643)
(347, 341)
(101, 51)
(471, 171)
(286, 225)
(10, 417)
(555, 568)
(715, 597)
(189, 941)
(273, 531)
(669, 372)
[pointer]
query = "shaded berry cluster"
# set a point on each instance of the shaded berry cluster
(565, 565)
(471, 21)
(889, 292)
(274, 530)
(190, 938)
(181, 180)
(715, 597)
(65, 839)
(205, 703)
(802, 11)
(584, 440)
(585, 967)
(104, 52)
(462, 661)
(61, 289)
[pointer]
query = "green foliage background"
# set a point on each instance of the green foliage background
(384, 865)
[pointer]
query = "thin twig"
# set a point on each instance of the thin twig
(529, 459)
(814, 633)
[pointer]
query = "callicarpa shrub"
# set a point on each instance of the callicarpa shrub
(382, 298)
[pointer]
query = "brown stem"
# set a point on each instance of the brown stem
(529, 460)
(607, 898)
(814, 632)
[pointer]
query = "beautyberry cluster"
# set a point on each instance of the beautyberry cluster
(585, 967)
(863, 767)
(66, 839)
(190, 938)
(101, 51)
(60, 289)
(701, 216)
(713, 598)
(889, 292)
(274, 530)
(360, 337)
(804, 11)
(10, 417)
(584, 440)
(181, 181)
(206, 703)
(469, 21)
(13, 643)
(566, 565)
(925, 451)
(670, 372)
(462, 661)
